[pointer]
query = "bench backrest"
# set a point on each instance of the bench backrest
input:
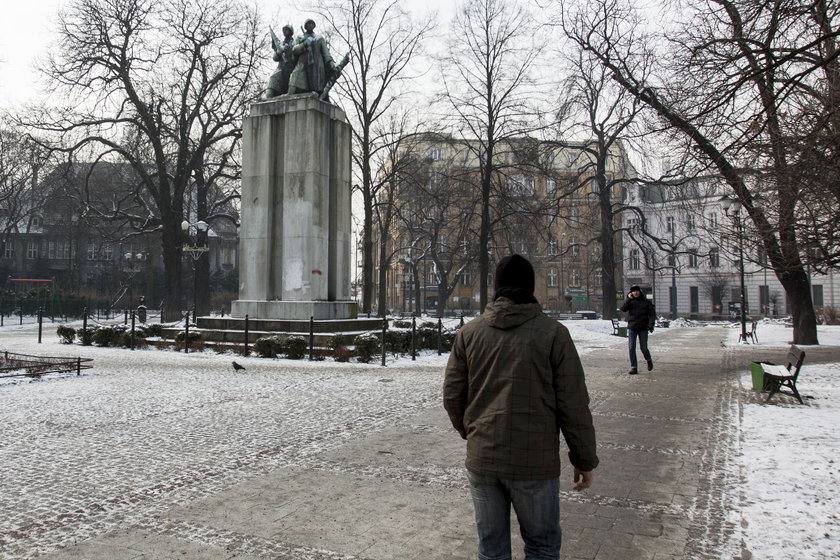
(795, 358)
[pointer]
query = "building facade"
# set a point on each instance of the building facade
(68, 247)
(690, 263)
(544, 206)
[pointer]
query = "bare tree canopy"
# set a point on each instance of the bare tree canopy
(386, 42)
(162, 86)
(488, 89)
(753, 87)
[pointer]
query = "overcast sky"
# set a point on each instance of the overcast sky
(28, 26)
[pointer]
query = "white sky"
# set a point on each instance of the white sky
(28, 26)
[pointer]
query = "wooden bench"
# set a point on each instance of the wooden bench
(618, 330)
(777, 376)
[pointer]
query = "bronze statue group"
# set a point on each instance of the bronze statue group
(304, 64)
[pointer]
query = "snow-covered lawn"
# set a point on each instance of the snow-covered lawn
(789, 456)
(790, 459)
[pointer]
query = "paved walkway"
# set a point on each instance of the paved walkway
(317, 462)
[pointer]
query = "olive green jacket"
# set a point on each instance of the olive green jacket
(513, 383)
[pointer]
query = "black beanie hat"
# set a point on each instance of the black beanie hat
(635, 289)
(514, 271)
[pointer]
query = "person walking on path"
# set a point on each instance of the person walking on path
(641, 318)
(513, 383)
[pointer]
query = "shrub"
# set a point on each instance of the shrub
(66, 334)
(398, 342)
(152, 330)
(267, 346)
(295, 347)
(342, 354)
(402, 324)
(139, 341)
(831, 315)
(338, 344)
(108, 336)
(196, 340)
(367, 346)
(82, 333)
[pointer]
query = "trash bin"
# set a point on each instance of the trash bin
(622, 331)
(758, 375)
(588, 314)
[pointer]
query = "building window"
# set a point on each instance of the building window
(574, 246)
(575, 278)
(634, 224)
(8, 250)
(817, 293)
(551, 277)
(550, 186)
(714, 257)
(520, 185)
(550, 157)
(553, 250)
(434, 154)
(689, 222)
(227, 256)
(635, 260)
(91, 251)
(31, 249)
(694, 299)
(574, 214)
(672, 260)
(669, 224)
(713, 220)
(465, 278)
(693, 259)
(107, 252)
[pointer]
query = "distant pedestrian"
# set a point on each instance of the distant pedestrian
(513, 383)
(641, 318)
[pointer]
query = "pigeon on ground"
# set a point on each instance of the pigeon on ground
(237, 367)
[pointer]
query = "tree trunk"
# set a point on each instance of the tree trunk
(804, 317)
(171, 246)
(384, 265)
(367, 256)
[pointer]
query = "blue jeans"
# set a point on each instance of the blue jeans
(631, 343)
(537, 507)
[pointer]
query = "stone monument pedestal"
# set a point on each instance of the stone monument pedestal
(295, 234)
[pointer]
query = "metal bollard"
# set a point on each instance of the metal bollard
(40, 324)
(85, 339)
(187, 333)
(132, 329)
(247, 352)
(440, 336)
(311, 335)
(413, 337)
(384, 329)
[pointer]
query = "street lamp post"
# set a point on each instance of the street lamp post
(730, 204)
(195, 251)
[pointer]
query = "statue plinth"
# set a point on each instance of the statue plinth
(295, 234)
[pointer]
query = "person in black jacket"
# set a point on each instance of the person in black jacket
(641, 318)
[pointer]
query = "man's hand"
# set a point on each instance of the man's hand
(583, 479)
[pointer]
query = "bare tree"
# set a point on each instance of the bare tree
(162, 86)
(438, 214)
(746, 84)
(607, 119)
(385, 44)
(21, 161)
(486, 83)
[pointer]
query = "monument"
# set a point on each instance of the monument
(295, 233)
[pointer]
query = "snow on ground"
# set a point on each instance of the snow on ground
(790, 458)
(790, 454)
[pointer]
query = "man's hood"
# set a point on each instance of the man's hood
(505, 314)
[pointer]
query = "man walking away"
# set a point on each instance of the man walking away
(513, 383)
(641, 317)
